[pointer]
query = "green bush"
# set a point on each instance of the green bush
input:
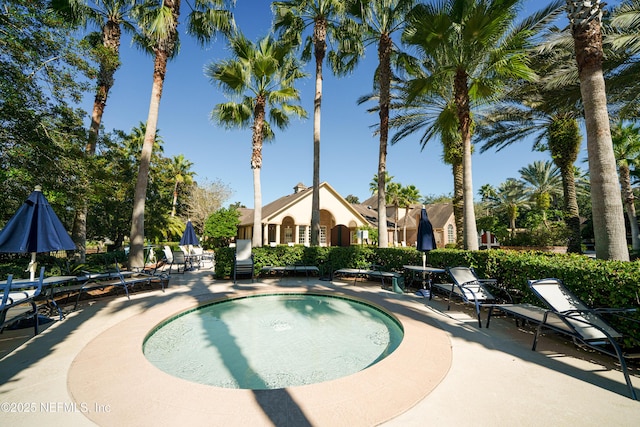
(599, 283)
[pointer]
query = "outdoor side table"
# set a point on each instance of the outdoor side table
(427, 275)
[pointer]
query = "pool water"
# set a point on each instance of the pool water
(273, 341)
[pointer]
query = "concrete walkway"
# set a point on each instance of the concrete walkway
(89, 370)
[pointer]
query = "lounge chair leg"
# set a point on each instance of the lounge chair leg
(489, 313)
(36, 318)
(535, 337)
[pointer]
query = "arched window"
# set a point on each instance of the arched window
(450, 237)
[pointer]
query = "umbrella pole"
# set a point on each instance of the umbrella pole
(424, 265)
(33, 266)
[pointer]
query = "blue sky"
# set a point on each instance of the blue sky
(349, 150)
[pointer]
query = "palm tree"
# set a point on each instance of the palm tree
(608, 218)
(475, 45)
(408, 195)
(291, 18)
(547, 110)
(160, 36)
(373, 185)
(434, 114)
(135, 141)
(624, 37)
(625, 20)
(543, 184)
(626, 146)
(487, 193)
(509, 198)
(394, 197)
(378, 21)
(182, 175)
(267, 71)
(111, 17)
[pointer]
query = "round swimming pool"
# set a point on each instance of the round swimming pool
(273, 341)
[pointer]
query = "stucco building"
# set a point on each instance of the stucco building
(287, 220)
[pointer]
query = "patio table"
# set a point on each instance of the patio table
(412, 270)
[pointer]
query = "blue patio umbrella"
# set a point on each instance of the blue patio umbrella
(426, 239)
(189, 237)
(35, 228)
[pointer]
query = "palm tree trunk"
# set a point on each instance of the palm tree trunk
(256, 165)
(606, 200)
(470, 230)
(108, 66)
(175, 199)
(136, 253)
(384, 57)
(319, 36)
(458, 202)
(571, 210)
(629, 202)
(256, 239)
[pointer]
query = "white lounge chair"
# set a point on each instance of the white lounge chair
(243, 260)
(568, 315)
(178, 259)
(469, 288)
(168, 255)
(122, 279)
(18, 302)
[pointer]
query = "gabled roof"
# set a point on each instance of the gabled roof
(283, 203)
(439, 213)
(371, 214)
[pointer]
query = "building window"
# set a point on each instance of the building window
(302, 231)
(323, 235)
(450, 237)
(288, 234)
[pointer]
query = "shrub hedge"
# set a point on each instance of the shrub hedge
(599, 283)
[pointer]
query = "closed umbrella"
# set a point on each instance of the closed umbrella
(426, 239)
(35, 228)
(189, 237)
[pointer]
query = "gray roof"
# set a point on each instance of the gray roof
(439, 213)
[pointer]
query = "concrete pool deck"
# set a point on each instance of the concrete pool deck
(89, 370)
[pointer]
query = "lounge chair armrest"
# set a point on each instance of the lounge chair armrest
(609, 310)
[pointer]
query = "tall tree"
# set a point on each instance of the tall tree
(476, 45)
(432, 112)
(110, 17)
(263, 77)
(394, 197)
(160, 36)
(542, 183)
(183, 174)
(408, 195)
(41, 135)
(378, 21)
(509, 198)
(626, 146)
(548, 110)
(292, 17)
(608, 218)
